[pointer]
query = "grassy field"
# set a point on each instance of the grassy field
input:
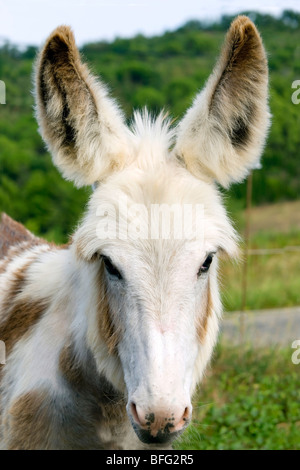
(273, 279)
(248, 400)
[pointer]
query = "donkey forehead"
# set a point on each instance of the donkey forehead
(164, 211)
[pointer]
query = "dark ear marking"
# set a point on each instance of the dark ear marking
(67, 132)
(239, 134)
(240, 131)
(70, 133)
(58, 73)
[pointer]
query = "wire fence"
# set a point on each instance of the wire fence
(249, 252)
(273, 251)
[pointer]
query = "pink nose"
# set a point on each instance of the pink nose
(160, 423)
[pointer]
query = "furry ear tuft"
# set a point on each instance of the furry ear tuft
(222, 135)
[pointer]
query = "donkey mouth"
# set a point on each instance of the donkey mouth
(163, 436)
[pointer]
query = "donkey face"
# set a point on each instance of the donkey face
(149, 241)
(158, 313)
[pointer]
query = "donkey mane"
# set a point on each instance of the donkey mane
(155, 130)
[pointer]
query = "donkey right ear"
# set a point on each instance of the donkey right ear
(82, 126)
(222, 135)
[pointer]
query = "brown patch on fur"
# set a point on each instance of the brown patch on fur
(80, 251)
(108, 330)
(19, 315)
(70, 367)
(69, 421)
(13, 253)
(12, 233)
(15, 239)
(202, 324)
(105, 406)
(28, 422)
(84, 378)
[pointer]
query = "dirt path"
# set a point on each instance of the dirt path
(262, 327)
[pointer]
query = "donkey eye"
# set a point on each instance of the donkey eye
(205, 266)
(110, 268)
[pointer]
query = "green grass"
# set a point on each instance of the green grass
(249, 400)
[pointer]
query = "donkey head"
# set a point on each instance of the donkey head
(150, 268)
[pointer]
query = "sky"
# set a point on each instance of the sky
(26, 22)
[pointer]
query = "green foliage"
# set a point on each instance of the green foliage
(161, 71)
(250, 400)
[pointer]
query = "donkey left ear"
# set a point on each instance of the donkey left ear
(222, 135)
(82, 126)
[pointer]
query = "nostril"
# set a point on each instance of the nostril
(186, 414)
(184, 419)
(134, 413)
(141, 417)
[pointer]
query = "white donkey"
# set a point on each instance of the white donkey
(107, 337)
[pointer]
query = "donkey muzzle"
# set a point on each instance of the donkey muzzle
(159, 424)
